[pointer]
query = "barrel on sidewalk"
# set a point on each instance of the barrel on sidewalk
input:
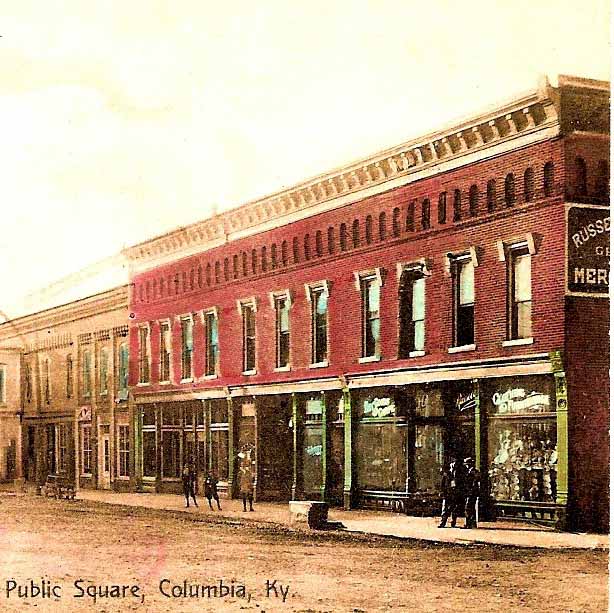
(312, 512)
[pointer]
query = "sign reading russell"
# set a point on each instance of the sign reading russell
(588, 250)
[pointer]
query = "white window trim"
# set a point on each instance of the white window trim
(309, 288)
(505, 246)
(425, 267)
(462, 348)
(518, 341)
(203, 314)
(376, 273)
(148, 327)
(170, 352)
(273, 298)
(417, 354)
(359, 277)
(469, 253)
(181, 318)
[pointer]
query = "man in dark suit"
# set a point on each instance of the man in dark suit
(453, 492)
(472, 493)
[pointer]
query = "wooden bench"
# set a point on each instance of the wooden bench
(57, 486)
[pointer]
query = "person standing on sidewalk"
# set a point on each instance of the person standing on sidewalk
(453, 492)
(211, 491)
(246, 485)
(188, 479)
(472, 493)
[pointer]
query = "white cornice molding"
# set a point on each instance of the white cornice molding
(523, 121)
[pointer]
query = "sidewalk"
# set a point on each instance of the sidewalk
(517, 534)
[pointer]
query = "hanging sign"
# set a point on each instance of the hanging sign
(588, 250)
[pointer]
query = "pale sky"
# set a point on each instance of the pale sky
(122, 120)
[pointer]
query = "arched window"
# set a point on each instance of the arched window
(382, 226)
(295, 250)
(457, 212)
(441, 207)
(244, 263)
(369, 230)
(218, 271)
(191, 280)
(426, 214)
(474, 199)
(411, 215)
(162, 286)
(273, 256)
(581, 182)
(263, 259)
(602, 181)
(199, 278)
(208, 274)
(343, 239)
(548, 179)
(529, 185)
(319, 245)
(254, 261)
(284, 253)
(396, 222)
(491, 195)
(226, 269)
(510, 189)
(184, 282)
(307, 247)
(355, 233)
(331, 240)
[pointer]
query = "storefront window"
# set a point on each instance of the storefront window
(219, 454)
(171, 454)
(312, 445)
(522, 439)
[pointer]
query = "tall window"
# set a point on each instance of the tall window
(426, 214)
(143, 354)
(464, 297)
(123, 451)
(370, 295)
(47, 380)
(529, 184)
(355, 233)
(69, 378)
(86, 373)
(187, 326)
(211, 343)
(519, 288)
(382, 225)
(122, 362)
(282, 326)
(369, 230)
(248, 312)
(441, 208)
(103, 384)
(62, 450)
(165, 351)
(86, 449)
(474, 200)
(548, 179)
(318, 296)
(2, 383)
(411, 311)
(410, 218)
(510, 190)
(27, 376)
(457, 205)
(491, 195)
(396, 222)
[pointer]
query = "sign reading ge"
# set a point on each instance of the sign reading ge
(588, 250)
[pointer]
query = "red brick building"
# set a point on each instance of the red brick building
(351, 334)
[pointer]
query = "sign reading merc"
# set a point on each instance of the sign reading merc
(588, 250)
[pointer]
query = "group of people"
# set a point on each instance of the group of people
(460, 487)
(246, 486)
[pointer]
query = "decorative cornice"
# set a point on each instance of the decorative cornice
(525, 119)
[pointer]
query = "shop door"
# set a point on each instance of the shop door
(196, 454)
(104, 476)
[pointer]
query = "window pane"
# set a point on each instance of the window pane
(522, 278)
(171, 449)
(464, 325)
(418, 299)
(466, 282)
(428, 459)
(523, 315)
(373, 295)
(149, 454)
(312, 459)
(419, 335)
(322, 302)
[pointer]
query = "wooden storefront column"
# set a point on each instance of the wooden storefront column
(348, 482)
(295, 447)
(324, 486)
(478, 425)
(562, 438)
(231, 445)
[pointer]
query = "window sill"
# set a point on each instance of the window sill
(369, 358)
(248, 373)
(319, 364)
(86, 475)
(416, 354)
(143, 383)
(517, 341)
(103, 393)
(462, 348)
(209, 377)
(122, 478)
(187, 380)
(282, 369)
(164, 383)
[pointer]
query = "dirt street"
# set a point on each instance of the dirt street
(84, 556)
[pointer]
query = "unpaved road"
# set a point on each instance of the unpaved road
(72, 548)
